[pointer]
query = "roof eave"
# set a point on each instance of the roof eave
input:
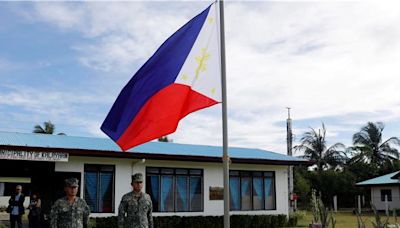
(139, 155)
(382, 184)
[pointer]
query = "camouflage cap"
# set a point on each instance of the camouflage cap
(71, 182)
(137, 177)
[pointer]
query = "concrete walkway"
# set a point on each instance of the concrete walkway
(5, 220)
(7, 223)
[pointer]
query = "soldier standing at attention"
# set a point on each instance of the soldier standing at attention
(136, 207)
(70, 211)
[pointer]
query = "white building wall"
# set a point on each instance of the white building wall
(376, 197)
(123, 172)
(213, 177)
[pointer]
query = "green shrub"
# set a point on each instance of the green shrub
(378, 223)
(294, 217)
(237, 221)
(105, 222)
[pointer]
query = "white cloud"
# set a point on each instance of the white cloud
(70, 111)
(120, 34)
(322, 59)
(64, 15)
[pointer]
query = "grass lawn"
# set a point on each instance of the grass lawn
(347, 220)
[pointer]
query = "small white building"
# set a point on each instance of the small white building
(184, 180)
(386, 186)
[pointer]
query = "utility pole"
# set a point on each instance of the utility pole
(289, 141)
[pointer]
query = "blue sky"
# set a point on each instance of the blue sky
(330, 61)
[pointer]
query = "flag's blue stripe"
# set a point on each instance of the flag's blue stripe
(157, 73)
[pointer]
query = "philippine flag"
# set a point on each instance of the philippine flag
(181, 77)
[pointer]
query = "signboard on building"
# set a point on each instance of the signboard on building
(216, 193)
(34, 156)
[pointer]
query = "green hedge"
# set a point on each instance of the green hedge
(237, 221)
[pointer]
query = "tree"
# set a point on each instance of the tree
(313, 145)
(331, 183)
(164, 139)
(368, 145)
(302, 186)
(48, 128)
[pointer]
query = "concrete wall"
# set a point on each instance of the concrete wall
(213, 177)
(376, 197)
(4, 201)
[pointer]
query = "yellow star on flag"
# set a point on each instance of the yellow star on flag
(213, 91)
(185, 77)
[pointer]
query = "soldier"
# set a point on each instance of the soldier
(136, 207)
(70, 211)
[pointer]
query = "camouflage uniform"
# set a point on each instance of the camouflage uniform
(66, 215)
(135, 209)
(70, 215)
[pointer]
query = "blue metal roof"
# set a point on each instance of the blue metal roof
(106, 144)
(381, 180)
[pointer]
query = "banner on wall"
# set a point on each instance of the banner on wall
(34, 156)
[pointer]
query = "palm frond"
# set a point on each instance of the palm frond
(48, 128)
(368, 144)
(38, 129)
(314, 146)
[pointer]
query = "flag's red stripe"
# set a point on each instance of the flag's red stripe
(161, 114)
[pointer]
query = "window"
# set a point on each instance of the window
(175, 189)
(387, 192)
(99, 188)
(252, 190)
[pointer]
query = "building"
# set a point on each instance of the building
(387, 185)
(181, 179)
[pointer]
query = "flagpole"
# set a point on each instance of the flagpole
(225, 157)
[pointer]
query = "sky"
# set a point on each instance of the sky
(331, 62)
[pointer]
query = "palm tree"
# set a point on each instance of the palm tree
(369, 147)
(313, 145)
(48, 128)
